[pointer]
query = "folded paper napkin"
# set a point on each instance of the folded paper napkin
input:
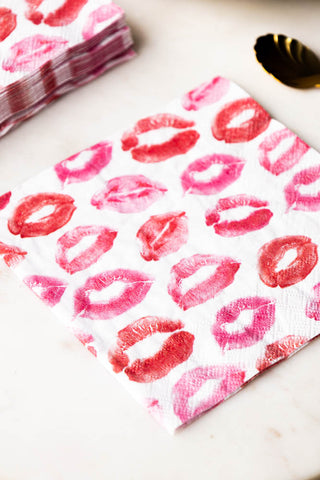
(48, 48)
(182, 252)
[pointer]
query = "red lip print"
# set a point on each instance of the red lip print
(248, 130)
(298, 201)
(64, 15)
(128, 194)
(136, 287)
(280, 350)
(163, 234)
(101, 14)
(206, 94)
(48, 289)
(8, 22)
(263, 318)
(272, 252)
(231, 379)
(256, 220)
(313, 305)
(180, 143)
(287, 159)
(63, 209)
(4, 200)
(175, 350)
(32, 13)
(104, 242)
(226, 268)
(31, 52)
(100, 156)
(231, 171)
(11, 255)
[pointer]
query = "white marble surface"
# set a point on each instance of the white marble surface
(62, 417)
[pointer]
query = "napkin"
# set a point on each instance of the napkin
(182, 252)
(49, 48)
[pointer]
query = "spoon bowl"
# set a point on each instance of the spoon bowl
(288, 60)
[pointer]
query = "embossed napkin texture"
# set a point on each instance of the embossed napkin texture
(49, 47)
(182, 251)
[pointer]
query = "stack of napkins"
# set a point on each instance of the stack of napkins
(182, 252)
(49, 47)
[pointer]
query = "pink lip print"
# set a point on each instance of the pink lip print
(51, 289)
(180, 143)
(272, 252)
(279, 350)
(4, 200)
(313, 304)
(299, 201)
(85, 339)
(136, 287)
(103, 242)
(8, 22)
(11, 255)
(231, 379)
(63, 210)
(175, 350)
(247, 130)
(226, 268)
(128, 194)
(163, 234)
(263, 318)
(31, 52)
(287, 159)
(258, 219)
(101, 154)
(206, 94)
(98, 16)
(230, 172)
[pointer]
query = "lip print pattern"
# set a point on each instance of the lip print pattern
(63, 210)
(100, 156)
(247, 130)
(285, 160)
(174, 351)
(98, 16)
(8, 22)
(272, 252)
(258, 219)
(280, 350)
(31, 52)
(299, 201)
(313, 304)
(263, 317)
(4, 200)
(128, 194)
(226, 268)
(230, 172)
(64, 15)
(206, 94)
(136, 287)
(231, 379)
(11, 255)
(104, 238)
(163, 234)
(180, 143)
(48, 289)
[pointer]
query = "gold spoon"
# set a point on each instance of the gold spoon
(288, 60)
